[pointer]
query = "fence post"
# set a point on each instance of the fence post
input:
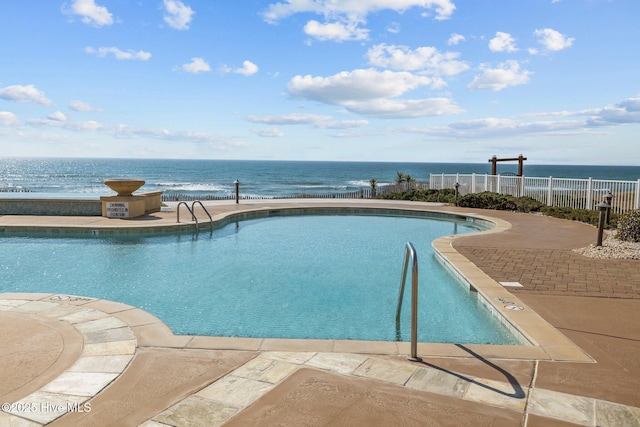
(521, 192)
(473, 183)
(589, 193)
(498, 186)
(442, 182)
(637, 203)
(486, 182)
(550, 192)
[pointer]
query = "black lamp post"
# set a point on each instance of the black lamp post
(608, 197)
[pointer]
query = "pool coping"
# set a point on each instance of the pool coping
(546, 342)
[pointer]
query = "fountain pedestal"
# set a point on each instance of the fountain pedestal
(126, 204)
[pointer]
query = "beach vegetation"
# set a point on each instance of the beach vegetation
(629, 226)
(446, 195)
(497, 201)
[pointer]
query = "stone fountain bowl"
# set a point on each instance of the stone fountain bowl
(124, 186)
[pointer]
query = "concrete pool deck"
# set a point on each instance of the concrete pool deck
(61, 352)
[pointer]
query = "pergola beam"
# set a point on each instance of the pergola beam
(494, 163)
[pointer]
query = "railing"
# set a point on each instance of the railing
(192, 212)
(561, 192)
(362, 193)
(410, 253)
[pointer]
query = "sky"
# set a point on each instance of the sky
(365, 80)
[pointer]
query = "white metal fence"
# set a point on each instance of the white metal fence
(563, 192)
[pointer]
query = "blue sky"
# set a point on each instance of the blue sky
(370, 80)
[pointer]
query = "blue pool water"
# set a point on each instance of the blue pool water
(307, 276)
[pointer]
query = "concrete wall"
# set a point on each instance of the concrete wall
(51, 207)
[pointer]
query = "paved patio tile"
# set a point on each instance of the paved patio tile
(342, 363)
(235, 391)
(267, 370)
(194, 411)
(49, 406)
(496, 393)
(435, 381)
(79, 383)
(385, 370)
(104, 364)
(562, 406)
(610, 414)
(112, 348)
(100, 325)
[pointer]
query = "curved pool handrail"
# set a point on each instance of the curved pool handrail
(193, 217)
(193, 209)
(410, 252)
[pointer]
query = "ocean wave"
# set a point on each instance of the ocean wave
(189, 186)
(320, 186)
(366, 183)
(360, 183)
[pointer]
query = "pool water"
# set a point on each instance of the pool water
(307, 276)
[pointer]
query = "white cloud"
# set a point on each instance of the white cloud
(248, 69)
(177, 15)
(368, 92)
(343, 17)
(197, 65)
(119, 54)
(316, 120)
(505, 75)
(27, 93)
(7, 118)
(269, 133)
(88, 125)
(357, 85)
(455, 39)
(290, 119)
(343, 124)
(91, 13)
(422, 58)
(626, 111)
(401, 108)
(393, 28)
(353, 9)
(82, 106)
(502, 42)
(335, 31)
(552, 40)
(57, 116)
(582, 122)
(133, 132)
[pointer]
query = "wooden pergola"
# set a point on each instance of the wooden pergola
(494, 163)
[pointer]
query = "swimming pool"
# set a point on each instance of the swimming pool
(303, 276)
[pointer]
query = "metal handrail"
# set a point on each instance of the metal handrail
(193, 217)
(205, 211)
(192, 212)
(410, 252)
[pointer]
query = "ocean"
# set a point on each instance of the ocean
(65, 177)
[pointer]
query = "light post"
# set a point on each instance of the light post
(237, 183)
(608, 197)
(601, 220)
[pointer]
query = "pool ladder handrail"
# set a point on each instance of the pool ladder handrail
(410, 253)
(192, 212)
